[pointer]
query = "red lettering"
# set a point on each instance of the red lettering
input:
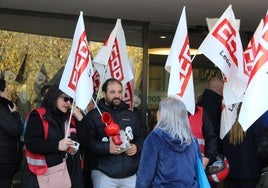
(226, 34)
(186, 66)
(249, 56)
(81, 61)
(115, 64)
(262, 56)
(128, 96)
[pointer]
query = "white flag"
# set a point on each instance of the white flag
(129, 94)
(212, 21)
(76, 80)
(255, 102)
(112, 60)
(180, 66)
(224, 48)
(250, 52)
(129, 88)
(228, 118)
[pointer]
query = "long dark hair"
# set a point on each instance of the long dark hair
(51, 97)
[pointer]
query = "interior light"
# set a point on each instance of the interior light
(163, 37)
(165, 51)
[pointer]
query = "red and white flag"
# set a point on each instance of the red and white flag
(112, 60)
(228, 118)
(255, 102)
(129, 88)
(229, 112)
(76, 80)
(250, 52)
(180, 66)
(129, 94)
(224, 48)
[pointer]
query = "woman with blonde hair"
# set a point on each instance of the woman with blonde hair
(240, 148)
(169, 151)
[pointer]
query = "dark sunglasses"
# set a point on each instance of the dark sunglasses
(66, 99)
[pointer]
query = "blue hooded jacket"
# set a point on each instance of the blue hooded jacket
(166, 163)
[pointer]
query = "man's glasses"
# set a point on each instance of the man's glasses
(66, 99)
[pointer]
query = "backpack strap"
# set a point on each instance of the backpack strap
(41, 111)
(37, 162)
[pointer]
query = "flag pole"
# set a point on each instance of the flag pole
(76, 80)
(196, 53)
(69, 122)
(96, 106)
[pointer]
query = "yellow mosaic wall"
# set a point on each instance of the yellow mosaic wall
(35, 51)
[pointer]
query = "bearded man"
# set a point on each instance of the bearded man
(112, 164)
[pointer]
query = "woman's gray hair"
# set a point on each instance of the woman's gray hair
(173, 118)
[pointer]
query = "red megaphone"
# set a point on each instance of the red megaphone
(112, 129)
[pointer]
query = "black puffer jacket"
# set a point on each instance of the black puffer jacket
(11, 128)
(115, 166)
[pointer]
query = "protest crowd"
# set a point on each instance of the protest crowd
(83, 136)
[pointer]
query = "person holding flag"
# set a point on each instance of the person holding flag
(54, 137)
(46, 135)
(112, 164)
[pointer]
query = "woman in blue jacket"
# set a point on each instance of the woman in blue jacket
(169, 155)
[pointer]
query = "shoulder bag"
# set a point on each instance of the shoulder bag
(200, 172)
(55, 177)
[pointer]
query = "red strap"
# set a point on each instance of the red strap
(41, 112)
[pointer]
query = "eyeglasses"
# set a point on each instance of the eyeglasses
(66, 99)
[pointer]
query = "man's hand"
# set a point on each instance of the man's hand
(132, 150)
(115, 149)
